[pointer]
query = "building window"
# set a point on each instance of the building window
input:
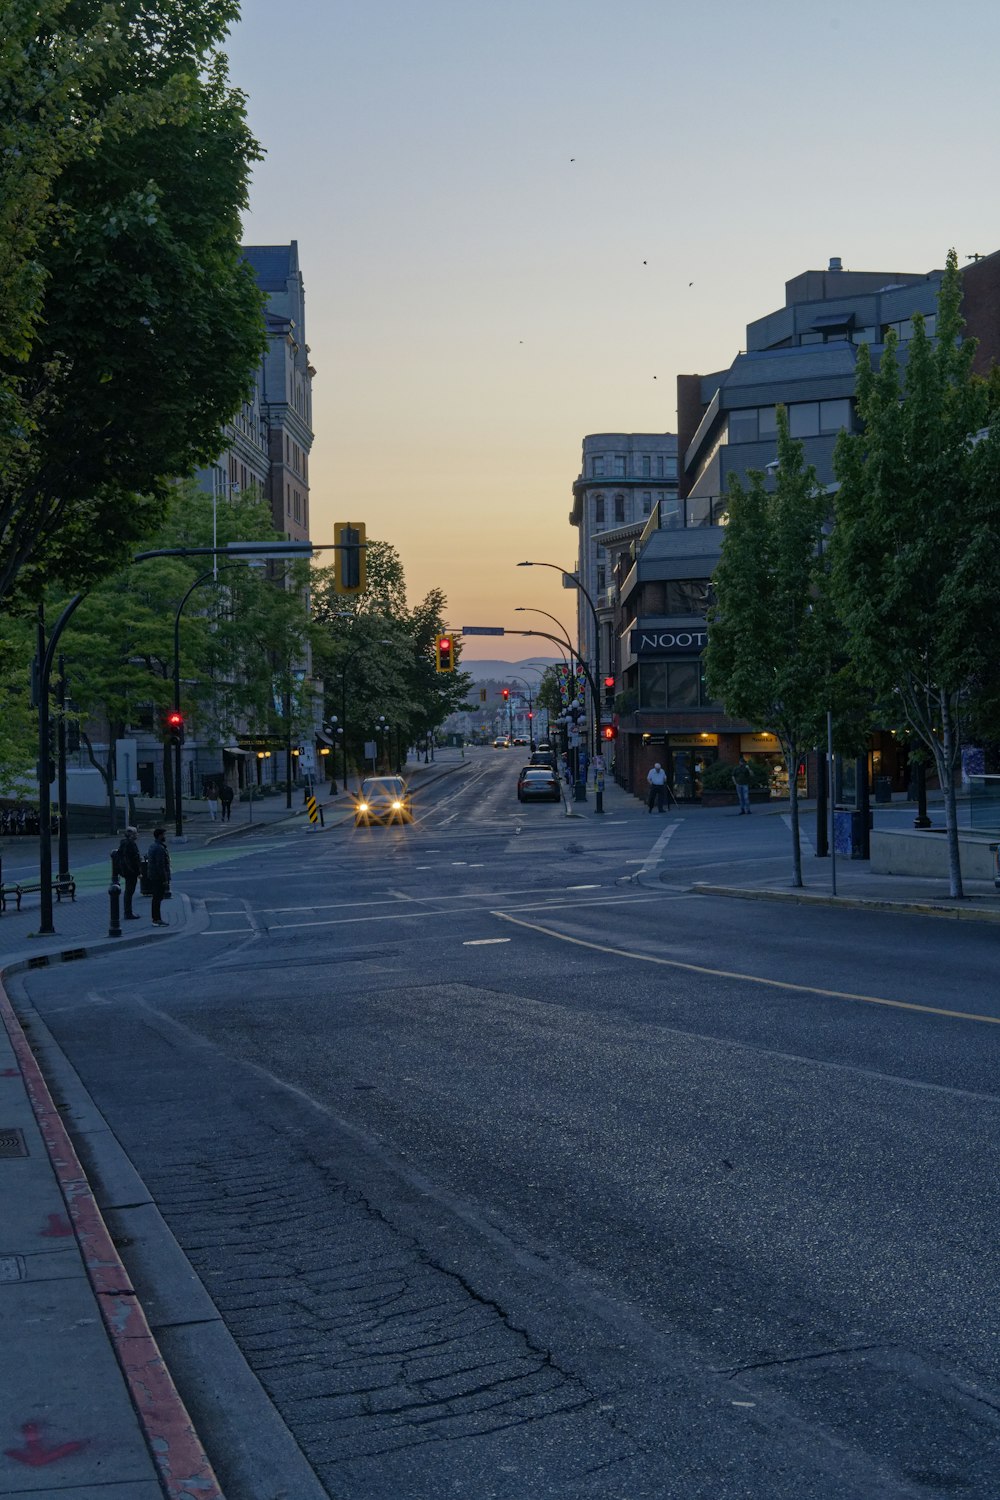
(619, 508)
(647, 466)
(803, 419)
(597, 468)
(671, 468)
(619, 466)
(598, 510)
(767, 422)
(833, 415)
(686, 596)
(602, 577)
(647, 502)
(743, 426)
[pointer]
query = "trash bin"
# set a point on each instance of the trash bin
(849, 832)
(579, 791)
(883, 789)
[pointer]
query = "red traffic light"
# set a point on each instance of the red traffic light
(531, 715)
(175, 720)
(444, 643)
(609, 682)
(444, 655)
(609, 732)
(506, 693)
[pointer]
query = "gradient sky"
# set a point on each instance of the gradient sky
(477, 302)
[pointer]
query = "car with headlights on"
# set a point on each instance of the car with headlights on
(538, 784)
(383, 799)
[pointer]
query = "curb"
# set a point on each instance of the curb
(871, 903)
(174, 1446)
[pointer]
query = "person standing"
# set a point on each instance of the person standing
(741, 780)
(657, 780)
(212, 797)
(226, 801)
(158, 872)
(127, 855)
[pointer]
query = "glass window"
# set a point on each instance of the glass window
(767, 422)
(743, 426)
(810, 338)
(930, 324)
(599, 510)
(671, 513)
(864, 335)
(597, 468)
(647, 466)
(619, 508)
(671, 468)
(682, 684)
(905, 329)
(803, 419)
(652, 684)
(659, 467)
(687, 596)
(647, 502)
(833, 415)
(619, 466)
(602, 575)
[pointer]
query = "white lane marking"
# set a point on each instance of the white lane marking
(401, 895)
(805, 843)
(407, 916)
(656, 854)
(483, 942)
(594, 887)
(224, 931)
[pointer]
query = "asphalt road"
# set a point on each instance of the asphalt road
(517, 1177)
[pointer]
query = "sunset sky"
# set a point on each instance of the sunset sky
(475, 189)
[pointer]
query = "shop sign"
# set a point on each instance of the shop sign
(663, 642)
(694, 741)
(750, 742)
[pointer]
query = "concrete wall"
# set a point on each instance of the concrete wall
(925, 852)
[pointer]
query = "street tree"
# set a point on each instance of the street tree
(18, 731)
(917, 537)
(135, 323)
(771, 633)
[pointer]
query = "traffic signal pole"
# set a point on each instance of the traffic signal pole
(46, 656)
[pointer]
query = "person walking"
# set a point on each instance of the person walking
(129, 863)
(158, 872)
(226, 802)
(657, 779)
(212, 797)
(741, 780)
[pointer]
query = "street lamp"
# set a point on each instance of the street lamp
(597, 639)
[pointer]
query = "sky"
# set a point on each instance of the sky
(519, 221)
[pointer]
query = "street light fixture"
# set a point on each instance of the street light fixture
(597, 639)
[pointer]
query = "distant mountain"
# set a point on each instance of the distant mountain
(503, 671)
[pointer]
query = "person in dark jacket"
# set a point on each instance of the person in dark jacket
(158, 872)
(127, 855)
(226, 798)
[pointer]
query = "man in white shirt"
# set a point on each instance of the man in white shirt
(657, 779)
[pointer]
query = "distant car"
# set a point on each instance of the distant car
(501, 744)
(543, 758)
(518, 742)
(383, 799)
(538, 784)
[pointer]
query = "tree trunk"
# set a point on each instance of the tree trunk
(946, 775)
(792, 760)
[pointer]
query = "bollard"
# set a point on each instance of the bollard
(115, 900)
(598, 794)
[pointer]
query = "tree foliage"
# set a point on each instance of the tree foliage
(771, 635)
(131, 325)
(917, 535)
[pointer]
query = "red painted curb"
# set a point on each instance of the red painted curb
(183, 1465)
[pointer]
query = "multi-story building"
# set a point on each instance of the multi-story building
(802, 356)
(624, 477)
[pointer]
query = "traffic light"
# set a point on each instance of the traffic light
(506, 694)
(444, 654)
(482, 695)
(609, 732)
(609, 691)
(530, 714)
(350, 568)
(175, 726)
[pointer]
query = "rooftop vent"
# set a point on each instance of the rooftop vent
(835, 263)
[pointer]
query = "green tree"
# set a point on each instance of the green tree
(18, 724)
(137, 325)
(917, 535)
(771, 631)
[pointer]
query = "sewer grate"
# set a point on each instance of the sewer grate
(11, 1268)
(12, 1141)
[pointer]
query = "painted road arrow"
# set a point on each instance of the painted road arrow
(35, 1454)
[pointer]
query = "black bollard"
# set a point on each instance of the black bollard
(115, 899)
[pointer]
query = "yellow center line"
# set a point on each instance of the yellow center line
(778, 984)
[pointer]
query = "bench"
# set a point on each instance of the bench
(60, 888)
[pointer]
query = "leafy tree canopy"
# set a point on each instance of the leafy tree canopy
(134, 324)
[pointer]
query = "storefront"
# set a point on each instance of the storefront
(683, 757)
(766, 750)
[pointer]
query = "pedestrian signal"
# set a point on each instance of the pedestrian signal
(609, 732)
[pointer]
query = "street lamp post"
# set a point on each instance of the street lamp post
(597, 640)
(580, 791)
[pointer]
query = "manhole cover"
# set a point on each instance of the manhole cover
(12, 1141)
(11, 1268)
